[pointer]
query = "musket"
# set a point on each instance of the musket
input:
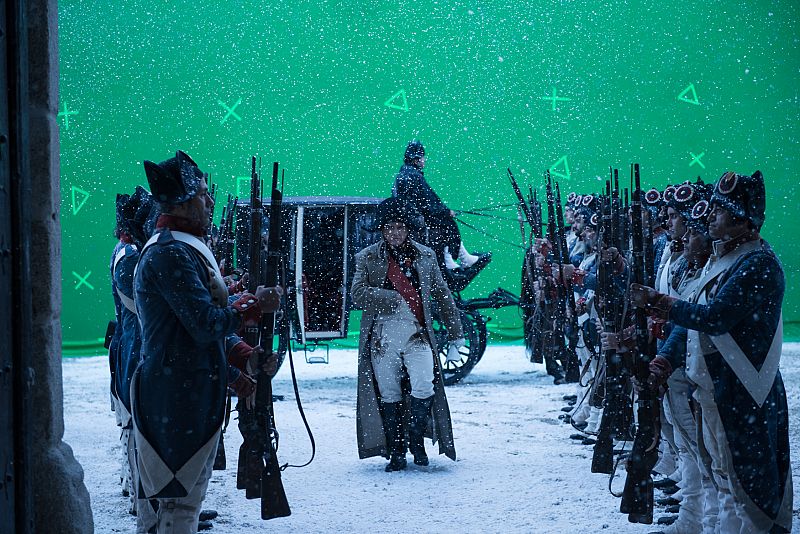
(217, 246)
(567, 296)
(523, 205)
(213, 194)
(536, 208)
(550, 339)
(250, 463)
(637, 495)
(273, 497)
(533, 312)
(616, 407)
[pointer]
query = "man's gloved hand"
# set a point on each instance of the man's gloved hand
(237, 286)
(657, 304)
(248, 308)
(660, 371)
(241, 353)
(453, 355)
(244, 385)
(269, 298)
(609, 341)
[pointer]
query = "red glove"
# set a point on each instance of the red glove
(237, 286)
(244, 386)
(660, 370)
(657, 328)
(656, 304)
(248, 308)
(240, 354)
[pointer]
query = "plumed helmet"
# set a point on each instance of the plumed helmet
(396, 209)
(174, 181)
(414, 151)
(744, 196)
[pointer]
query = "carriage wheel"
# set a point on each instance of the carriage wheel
(452, 372)
(479, 321)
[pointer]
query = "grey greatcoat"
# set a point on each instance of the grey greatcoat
(369, 295)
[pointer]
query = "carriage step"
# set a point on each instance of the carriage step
(310, 352)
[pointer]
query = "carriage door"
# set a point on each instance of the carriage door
(299, 288)
(321, 273)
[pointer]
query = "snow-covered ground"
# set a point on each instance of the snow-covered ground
(517, 469)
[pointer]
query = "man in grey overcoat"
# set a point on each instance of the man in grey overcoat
(395, 281)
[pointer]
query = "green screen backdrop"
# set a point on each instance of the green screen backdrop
(335, 89)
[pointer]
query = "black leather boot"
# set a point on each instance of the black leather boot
(395, 440)
(420, 408)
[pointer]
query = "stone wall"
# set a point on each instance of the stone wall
(60, 499)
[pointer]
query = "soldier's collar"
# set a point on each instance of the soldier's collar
(722, 248)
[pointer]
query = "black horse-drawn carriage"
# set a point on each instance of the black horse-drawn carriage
(320, 237)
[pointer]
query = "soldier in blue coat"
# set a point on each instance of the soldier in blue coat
(178, 390)
(732, 327)
(133, 212)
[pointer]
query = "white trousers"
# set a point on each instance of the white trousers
(690, 517)
(178, 515)
(399, 341)
(733, 515)
(581, 414)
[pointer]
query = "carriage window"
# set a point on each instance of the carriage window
(323, 269)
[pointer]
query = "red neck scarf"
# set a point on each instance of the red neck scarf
(179, 224)
(406, 289)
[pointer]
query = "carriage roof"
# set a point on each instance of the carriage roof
(323, 201)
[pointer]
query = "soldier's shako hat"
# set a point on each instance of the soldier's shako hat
(174, 181)
(593, 221)
(586, 205)
(394, 209)
(696, 216)
(652, 201)
(744, 196)
(414, 151)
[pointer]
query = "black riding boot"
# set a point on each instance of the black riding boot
(395, 440)
(420, 408)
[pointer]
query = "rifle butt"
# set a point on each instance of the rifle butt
(603, 454)
(254, 466)
(241, 468)
(637, 498)
(273, 497)
(220, 461)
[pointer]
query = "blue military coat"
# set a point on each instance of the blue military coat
(179, 388)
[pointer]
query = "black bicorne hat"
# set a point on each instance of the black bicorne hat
(174, 181)
(744, 196)
(133, 212)
(122, 200)
(396, 209)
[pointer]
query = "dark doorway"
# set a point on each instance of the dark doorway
(15, 317)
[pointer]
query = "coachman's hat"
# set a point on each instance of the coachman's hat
(744, 196)
(174, 181)
(414, 151)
